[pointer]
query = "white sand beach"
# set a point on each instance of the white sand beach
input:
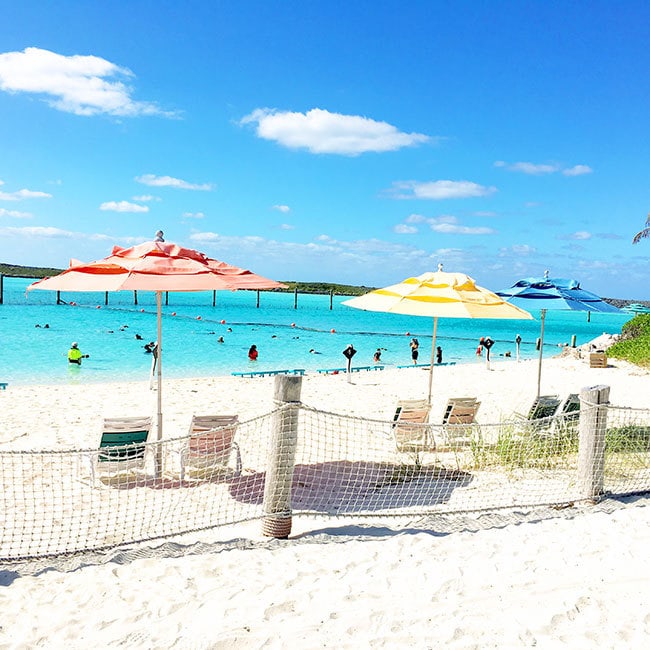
(574, 580)
(68, 416)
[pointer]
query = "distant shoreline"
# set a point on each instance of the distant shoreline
(317, 288)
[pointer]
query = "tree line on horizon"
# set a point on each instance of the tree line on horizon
(37, 272)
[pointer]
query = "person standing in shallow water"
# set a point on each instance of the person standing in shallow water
(74, 354)
(377, 356)
(253, 353)
(414, 350)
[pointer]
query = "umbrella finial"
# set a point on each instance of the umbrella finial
(159, 236)
(439, 266)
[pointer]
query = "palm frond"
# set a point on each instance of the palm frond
(644, 233)
(641, 235)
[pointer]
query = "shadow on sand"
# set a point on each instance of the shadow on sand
(357, 486)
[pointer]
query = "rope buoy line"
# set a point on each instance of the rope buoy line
(316, 330)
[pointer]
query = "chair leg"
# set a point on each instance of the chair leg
(238, 463)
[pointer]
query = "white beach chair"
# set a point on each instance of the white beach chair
(207, 451)
(410, 426)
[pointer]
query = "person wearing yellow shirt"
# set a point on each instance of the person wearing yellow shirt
(74, 354)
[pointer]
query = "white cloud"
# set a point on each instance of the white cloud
(83, 85)
(286, 226)
(449, 225)
(15, 214)
(415, 218)
(518, 249)
(404, 229)
(282, 208)
(170, 181)
(205, 237)
(46, 232)
(438, 190)
(320, 131)
(528, 167)
(193, 215)
(537, 169)
(578, 170)
(580, 235)
(145, 198)
(123, 206)
(20, 195)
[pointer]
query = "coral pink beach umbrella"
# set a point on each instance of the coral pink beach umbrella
(155, 266)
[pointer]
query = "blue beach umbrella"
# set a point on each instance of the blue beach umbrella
(553, 293)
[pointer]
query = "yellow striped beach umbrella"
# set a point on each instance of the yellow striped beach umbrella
(438, 295)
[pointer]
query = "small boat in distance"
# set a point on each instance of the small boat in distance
(636, 308)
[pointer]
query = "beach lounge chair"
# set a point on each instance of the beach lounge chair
(122, 448)
(409, 426)
(461, 410)
(207, 451)
(567, 415)
(571, 407)
(543, 407)
(542, 413)
(458, 422)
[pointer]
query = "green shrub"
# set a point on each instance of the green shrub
(634, 345)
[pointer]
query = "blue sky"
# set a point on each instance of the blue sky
(356, 142)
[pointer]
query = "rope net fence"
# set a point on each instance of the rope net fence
(300, 460)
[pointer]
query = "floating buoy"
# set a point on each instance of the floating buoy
(222, 321)
(198, 318)
(98, 307)
(173, 313)
(408, 333)
(332, 331)
(293, 324)
(74, 304)
(142, 310)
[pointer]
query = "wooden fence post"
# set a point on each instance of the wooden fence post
(591, 450)
(282, 452)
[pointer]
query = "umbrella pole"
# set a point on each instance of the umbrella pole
(541, 352)
(159, 427)
(433, 352)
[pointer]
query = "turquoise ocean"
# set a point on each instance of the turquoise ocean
(284, 335)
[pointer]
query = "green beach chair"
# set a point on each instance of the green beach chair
(122, 449)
